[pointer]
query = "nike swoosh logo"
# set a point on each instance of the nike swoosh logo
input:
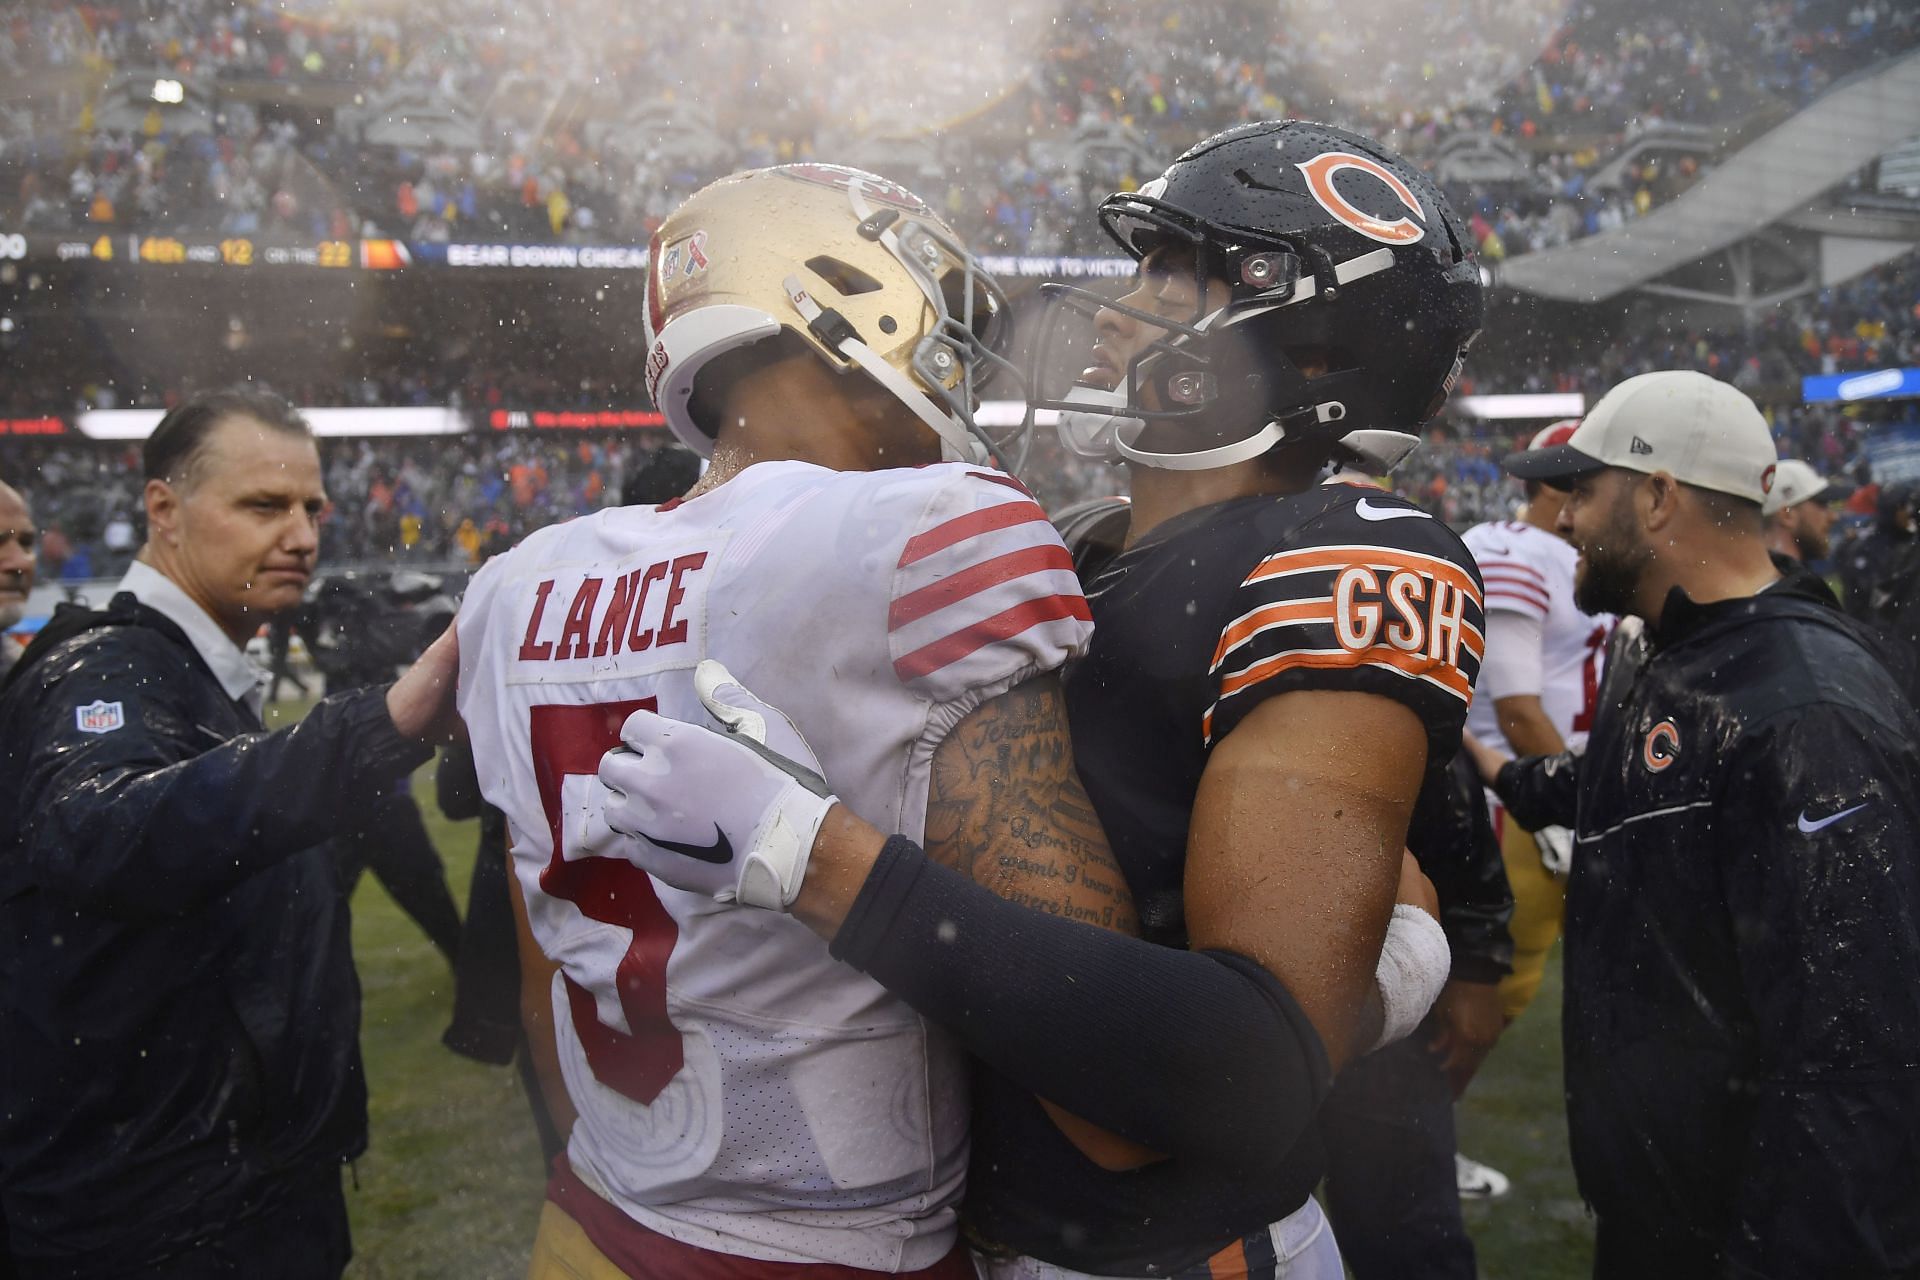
(1808, 828)
(720, 852)
(1370, 512)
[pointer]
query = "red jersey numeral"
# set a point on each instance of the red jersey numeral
(639, 1062)
(1590, 680)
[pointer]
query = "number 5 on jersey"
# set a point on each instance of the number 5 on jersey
(638, 1062)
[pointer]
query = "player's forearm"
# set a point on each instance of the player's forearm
(1524, 724)
(844, 853)
(1223, 1065)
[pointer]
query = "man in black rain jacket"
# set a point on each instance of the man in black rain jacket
(179, 1020)
(1742, 1021)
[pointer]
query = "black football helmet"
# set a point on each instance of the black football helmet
(1331, 246)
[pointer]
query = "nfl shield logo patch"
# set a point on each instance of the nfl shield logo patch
(99, 717)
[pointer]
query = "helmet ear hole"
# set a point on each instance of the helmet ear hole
(846, 279)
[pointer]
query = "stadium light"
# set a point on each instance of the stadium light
(138, 424)
(1489, 408)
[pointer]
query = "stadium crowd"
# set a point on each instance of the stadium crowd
(452, 500)
(454, 121)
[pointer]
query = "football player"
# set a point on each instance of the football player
(736, 1103)
(1542, 676)
(1276, 666)
(1537, 693)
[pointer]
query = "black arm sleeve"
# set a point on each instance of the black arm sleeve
(1220, 1063)
(1452, 838)
(1540, 791)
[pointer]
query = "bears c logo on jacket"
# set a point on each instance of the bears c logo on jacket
(1320, 172)
(1661, 747)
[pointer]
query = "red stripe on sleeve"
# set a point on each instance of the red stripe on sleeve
(1498, 590)
(1008, 622)
(1000, 477)
(1491, 565)
(971, 525)
(976, 578)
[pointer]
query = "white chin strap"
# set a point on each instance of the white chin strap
(1102, 432)
(957, 444)
(1206, 459)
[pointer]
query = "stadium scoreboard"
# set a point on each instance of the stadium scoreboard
(247, 253)
(118, 248)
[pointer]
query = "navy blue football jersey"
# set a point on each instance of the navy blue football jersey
(1344, 587)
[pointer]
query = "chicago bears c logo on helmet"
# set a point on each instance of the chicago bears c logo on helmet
(1661, 747)
(1320, 172)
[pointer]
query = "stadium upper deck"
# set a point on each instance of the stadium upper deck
(456, 120)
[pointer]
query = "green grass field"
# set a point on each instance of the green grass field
(450, 1188)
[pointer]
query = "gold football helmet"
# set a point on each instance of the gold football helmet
(855, 266)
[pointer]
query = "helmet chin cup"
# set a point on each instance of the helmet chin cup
(1380, 451)
(1088, 430)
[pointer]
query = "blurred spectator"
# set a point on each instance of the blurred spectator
(17, 536)
(1098, 85)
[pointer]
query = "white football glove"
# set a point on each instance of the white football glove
(1556, 850)
(730, 813)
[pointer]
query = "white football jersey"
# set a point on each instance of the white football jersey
(1529, 570)
(738, 1089)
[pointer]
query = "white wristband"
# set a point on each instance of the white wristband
(776, 864)
(1414, 962)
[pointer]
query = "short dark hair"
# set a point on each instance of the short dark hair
(175, 445)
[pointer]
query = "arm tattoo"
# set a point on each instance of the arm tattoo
(1007, 810)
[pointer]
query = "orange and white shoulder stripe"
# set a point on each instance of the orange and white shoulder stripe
(1283, 564)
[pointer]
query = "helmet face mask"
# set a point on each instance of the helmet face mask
(856, 268)
(1383, 303)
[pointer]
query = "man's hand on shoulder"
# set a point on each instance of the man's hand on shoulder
(421, 700)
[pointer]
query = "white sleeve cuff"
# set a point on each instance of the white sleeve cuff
(1512, 668)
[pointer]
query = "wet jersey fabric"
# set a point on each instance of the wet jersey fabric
(1742, 954)
(1344, 587)
(738, 1090)
(1530, 571)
